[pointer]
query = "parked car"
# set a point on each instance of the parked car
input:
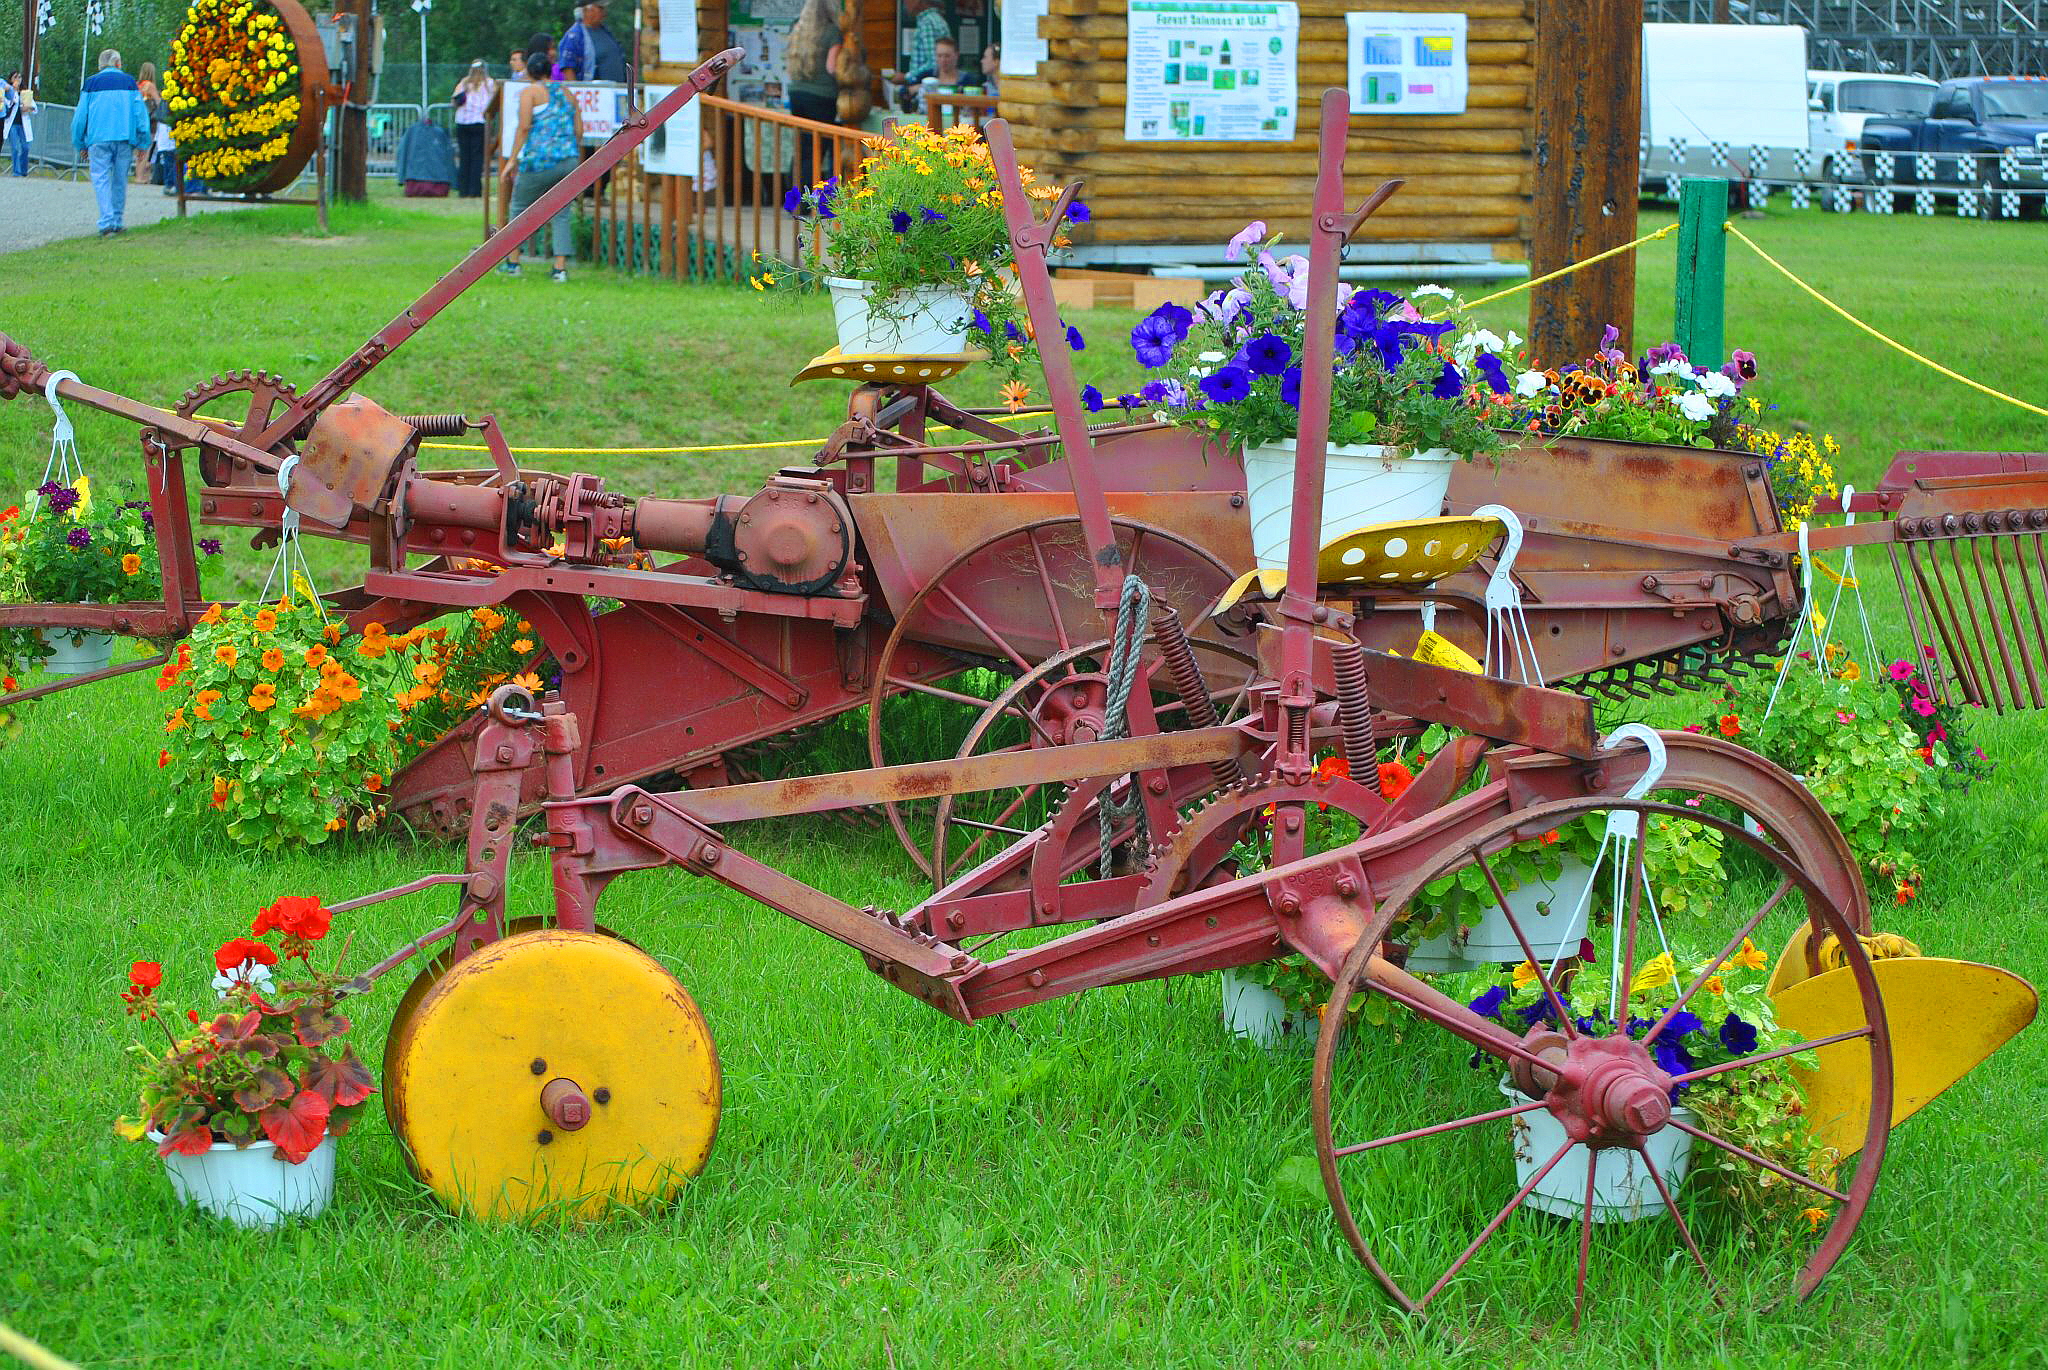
(1972, 122)
(1840, 103)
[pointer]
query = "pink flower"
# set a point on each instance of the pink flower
(1842, 717)
(1695, 801)
(1254, 232)
(1922, 706)
(1695, 728)
(1937, 733)
(1929, 649)
(1902, 670)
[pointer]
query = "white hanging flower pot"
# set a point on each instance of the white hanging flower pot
(1257, 1014)
(1623, 1191)
(1363, 483)
(75, 652)
(253, 1186)
(1552, 913)
(925, 321)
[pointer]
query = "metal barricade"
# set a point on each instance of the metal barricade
(52, 146)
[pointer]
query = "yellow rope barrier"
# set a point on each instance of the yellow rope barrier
(1892, 343)
(674, 451)
(1562, 271)
(30, 1353)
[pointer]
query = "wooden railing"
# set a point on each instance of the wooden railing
(943, 111)
(675, 227)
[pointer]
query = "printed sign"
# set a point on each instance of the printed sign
(601, 103)
(1023, 49)
(1406, 63)
(676, 147)
(1210, 72)
(678, 31)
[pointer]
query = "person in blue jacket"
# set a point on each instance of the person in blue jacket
(111, 123)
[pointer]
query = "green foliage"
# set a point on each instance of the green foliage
(81, 549)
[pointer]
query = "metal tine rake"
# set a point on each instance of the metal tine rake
(1969, 603)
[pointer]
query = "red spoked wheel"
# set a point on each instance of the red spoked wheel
(1414, 1136)
(1002, 609)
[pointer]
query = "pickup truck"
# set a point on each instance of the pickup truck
(1974, 120)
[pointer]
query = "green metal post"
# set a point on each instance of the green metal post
(1702, 271)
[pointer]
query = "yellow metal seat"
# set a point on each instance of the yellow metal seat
(842, 366)
(1394, 556)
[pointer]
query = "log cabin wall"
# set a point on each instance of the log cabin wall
(1470, 176)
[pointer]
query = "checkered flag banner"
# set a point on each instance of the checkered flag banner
(1642, 139)
(1877, 201)
(2009, 203)
(1923, 166)
(1759, 194)
(1802, 198)
(1923, 202)
(46, 16)
(2009, 164)
(1670, 187)
(1966, 204)
(1802, 163)
(95, 16)
(1717, 152)
(1678, 153)
(1884, 167)
(1843, 164)
(1841, 201)
(1759, 161)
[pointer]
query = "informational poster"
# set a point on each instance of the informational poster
(678, 31)
(1023, 49)
(1202, 71)
(601, 103)
(674, 148)
(760, 30)
(1406, 63)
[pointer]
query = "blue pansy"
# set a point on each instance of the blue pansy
(1488, 1004)
(1268, 355)
(1737, 1036)
(1228, 385)
(1091, 397)
(1449, 385)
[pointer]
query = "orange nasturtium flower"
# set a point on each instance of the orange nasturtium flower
(272, 659)
(131, 564)
(316, 654)
(1731, 725)
(266, 620)
(225, 654)
(211, 616)
(202, 707)
(263, 697)
(220, 792)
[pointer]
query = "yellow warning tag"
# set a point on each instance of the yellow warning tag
(1434, 649)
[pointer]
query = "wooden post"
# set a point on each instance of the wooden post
(1588, 99)
(28, 43)
(352, 157)
(1702, 270)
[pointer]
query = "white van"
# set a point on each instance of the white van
(1839, 103)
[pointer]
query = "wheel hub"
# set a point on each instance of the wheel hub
(1606, 1091)
(1072, 711)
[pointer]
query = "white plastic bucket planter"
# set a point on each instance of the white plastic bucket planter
(1362, 484)
(1623, 1191)
(1255, 1013)
(253, 1186)
(1551, 913)
(76, 653)
(927, 321)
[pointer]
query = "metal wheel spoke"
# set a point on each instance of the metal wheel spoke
(1585, 1239)
(1496, 1043)
(1487, 1232)
(1435, 1128)
(1754, 1159)
(939, 692)
(1635, 911)
(1059, 625)
(1500, 897)
(1746, 1062)
(981, 624)
(1720, 960)
(1678, 1219)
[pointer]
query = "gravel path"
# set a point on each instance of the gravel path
(41, 209)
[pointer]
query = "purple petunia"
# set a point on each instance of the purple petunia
(1449, 385)
(1737, 1036)
(1488, 1004)
(63, 500)
(1127, 401)
(1091, 397)
(1153, 340)
(899, 220)
(1386, 340)
(931, 216)
(1079, 213)
(1268, 355)
(793, 200)
(823, 199)
(149, 520)
(79, 538)
(1228, 385)
(981, 323)
(1252, 233)
(1683, 1024)
(210, 546)
(1672, 1058)
(1492, 372)
(1290, 386)
(1010, 332)
(1074, 339)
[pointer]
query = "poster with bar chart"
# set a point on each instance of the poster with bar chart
(1400, 63)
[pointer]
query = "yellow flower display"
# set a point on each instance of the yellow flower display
(233, 88)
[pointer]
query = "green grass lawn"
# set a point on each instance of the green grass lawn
(1092, 1181)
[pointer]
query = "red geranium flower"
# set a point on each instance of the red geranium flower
(297, 915)
(242, 949)
(146, 975)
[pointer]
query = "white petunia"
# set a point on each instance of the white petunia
(1478, 340)
(1442, 292)
(1531, 383)
(1715, 385)
(1698, 408)
(1514, 338)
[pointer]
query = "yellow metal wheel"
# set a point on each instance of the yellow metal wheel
(553, 1072)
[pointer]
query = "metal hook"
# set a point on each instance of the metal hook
(64, 431)
(1645, 734)
(1507, 625)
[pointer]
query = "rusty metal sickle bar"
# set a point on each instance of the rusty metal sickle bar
(494, 250)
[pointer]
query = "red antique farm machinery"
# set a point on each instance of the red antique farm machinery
(1169, 762)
